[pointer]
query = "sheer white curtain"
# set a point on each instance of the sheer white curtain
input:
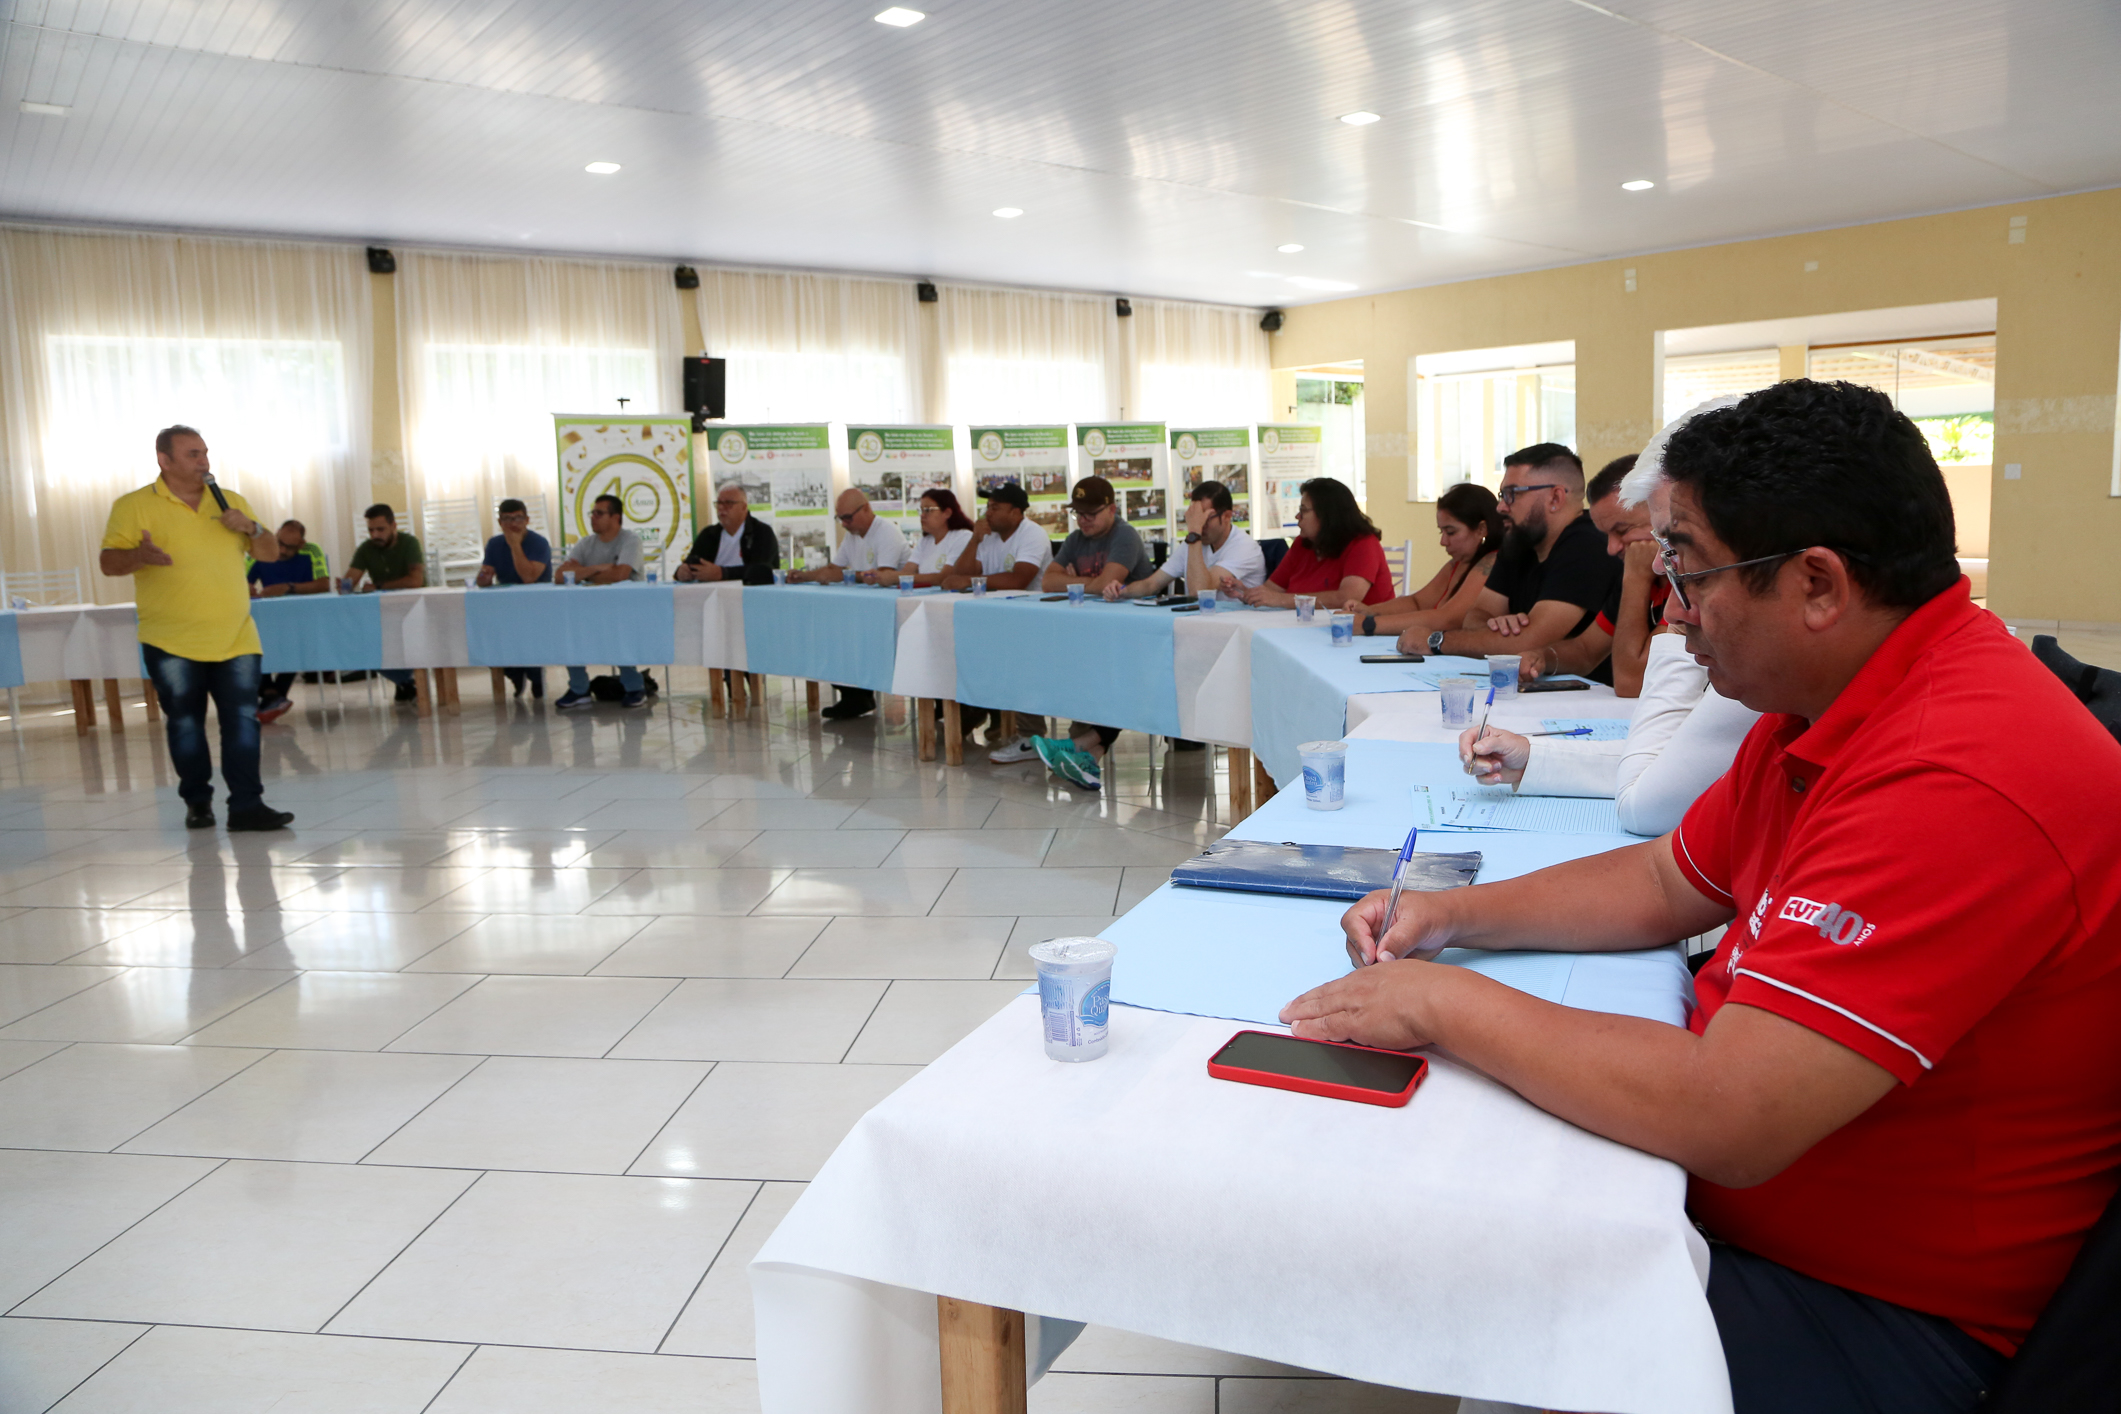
(107, 337)
(490, 347)
(1200, 365)
(815, 348)
(1020, 356)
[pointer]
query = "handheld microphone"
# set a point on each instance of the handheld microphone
(215, 487)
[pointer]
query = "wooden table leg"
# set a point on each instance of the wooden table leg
(924, 728)
(423, 695)
(500, 680)
(84, 706)
(154, 705)
(116, 703)
(446, 690)
(982, 1350)
(739, 695)
(758, 688)
(1240, 783)
(953, 733)
(1262, 784)
(810, 695)
(715, 702)
(1008, 729)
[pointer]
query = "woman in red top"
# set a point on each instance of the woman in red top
(1339, 558)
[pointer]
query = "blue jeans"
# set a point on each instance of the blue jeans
(578, 679)
(183, 685)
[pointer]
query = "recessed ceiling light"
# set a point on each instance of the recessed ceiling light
(1290, 249)
(1359, 120)
(900, 16)
(49, 110)
(1008, 213)
(1639, 184)
(602, 169)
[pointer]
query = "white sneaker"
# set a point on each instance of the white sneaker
(1021, 749)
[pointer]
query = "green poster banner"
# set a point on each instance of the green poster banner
(1033, 457)
(785, 472)
(1130, 455)
(1290, 453)
(644, 461)
(892, 466)
(1221, 454)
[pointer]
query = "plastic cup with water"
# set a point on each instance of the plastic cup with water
(1343, 626)
(1306, 608)
(1325, 766)
(1459, 695)
(847, 576)
(1208, 599)
(1502, 673)
(979, 586)
(1075, 593)
(567, 578)
(780, 576)
(1074, 996)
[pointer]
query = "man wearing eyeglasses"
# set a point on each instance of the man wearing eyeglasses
(866, 542)
(738, 546)
(1553, 568)
(1899, 1091)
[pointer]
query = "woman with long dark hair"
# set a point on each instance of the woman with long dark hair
(1338, 559)
(1470, 528)
(945, 532)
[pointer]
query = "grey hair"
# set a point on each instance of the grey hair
(1636, 486)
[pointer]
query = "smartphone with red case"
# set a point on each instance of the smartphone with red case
(1335, 1069)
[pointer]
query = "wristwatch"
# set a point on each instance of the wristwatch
(1369, 625)
(1193, 537)
(1436, 641)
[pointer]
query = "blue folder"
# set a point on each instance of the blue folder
(1318, 870)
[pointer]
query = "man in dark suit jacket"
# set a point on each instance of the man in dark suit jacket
(735, 547)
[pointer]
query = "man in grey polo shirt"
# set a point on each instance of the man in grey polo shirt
(609, 554)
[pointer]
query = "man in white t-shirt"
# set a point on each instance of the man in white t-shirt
(866, 542)
(1218, 555)
(609, 554)
(1012, 551)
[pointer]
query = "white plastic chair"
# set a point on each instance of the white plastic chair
(1397, 558)
(534, 505)
(453, 537)
(42, 589)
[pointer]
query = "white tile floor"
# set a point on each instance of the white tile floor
(477, 1090)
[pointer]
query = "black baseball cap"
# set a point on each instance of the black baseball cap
(1091, 493)
(1009, 494)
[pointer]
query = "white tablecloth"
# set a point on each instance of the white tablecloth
(1212, 661)
(926, 665)
(79, 641)
(710, 625)
(1469, 1243)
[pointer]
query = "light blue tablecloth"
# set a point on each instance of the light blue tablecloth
(1212, 953)
(623, 625)
(1111, 664)
(309, 633)
(10, 651)
(838, 633)
(1301, 685)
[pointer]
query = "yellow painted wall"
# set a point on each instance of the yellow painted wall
(2053, 535)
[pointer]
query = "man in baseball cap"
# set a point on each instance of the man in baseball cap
(1010, 550)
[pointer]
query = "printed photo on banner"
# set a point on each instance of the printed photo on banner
(800, 491)
(886, 490)
(1142, 505)
(1119, 470)
(805, 544)
(756, 485)
(992, 481)
(1051, 518)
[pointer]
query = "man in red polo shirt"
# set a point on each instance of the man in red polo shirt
(1900, 1093)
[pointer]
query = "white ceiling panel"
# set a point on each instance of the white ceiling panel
(1155, 149)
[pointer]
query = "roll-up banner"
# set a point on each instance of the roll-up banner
(1035, 458)
(1290, 453)
(892, 466)
(785, 470)
(644, 461)
(1221, 454)
(1130, 455)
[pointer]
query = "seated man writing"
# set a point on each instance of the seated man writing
(1899, 1097)
(1553, 568)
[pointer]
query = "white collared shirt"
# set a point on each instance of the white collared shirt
(883, 547)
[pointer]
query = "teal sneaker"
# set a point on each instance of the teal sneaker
(1068, 761)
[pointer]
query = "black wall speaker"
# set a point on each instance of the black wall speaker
(706, 386)
(688, 278)
(1271, 321)
(381, 261)
(1123, 307)
(926, 290)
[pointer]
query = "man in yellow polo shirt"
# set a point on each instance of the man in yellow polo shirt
(183, 539)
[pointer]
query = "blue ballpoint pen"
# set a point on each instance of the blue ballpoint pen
(1399, 886)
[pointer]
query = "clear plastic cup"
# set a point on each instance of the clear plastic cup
(847, 576)
(979, 586)
(1502, 673)
(1074, 996)
(1306, 608)
(1075, 593)
(1459, 695)
(653, 572)
(1207, 601)
(780, 576)
(1343, 630)
(567, 578)
(1325, 766)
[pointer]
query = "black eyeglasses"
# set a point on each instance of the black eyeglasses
(848, 518)
(1510, 493)
(1669, 562)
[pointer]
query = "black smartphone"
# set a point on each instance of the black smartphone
(1554, 685)
(1185, 608)
(1391, 657)
(1051, 598)
(1335, 1069)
